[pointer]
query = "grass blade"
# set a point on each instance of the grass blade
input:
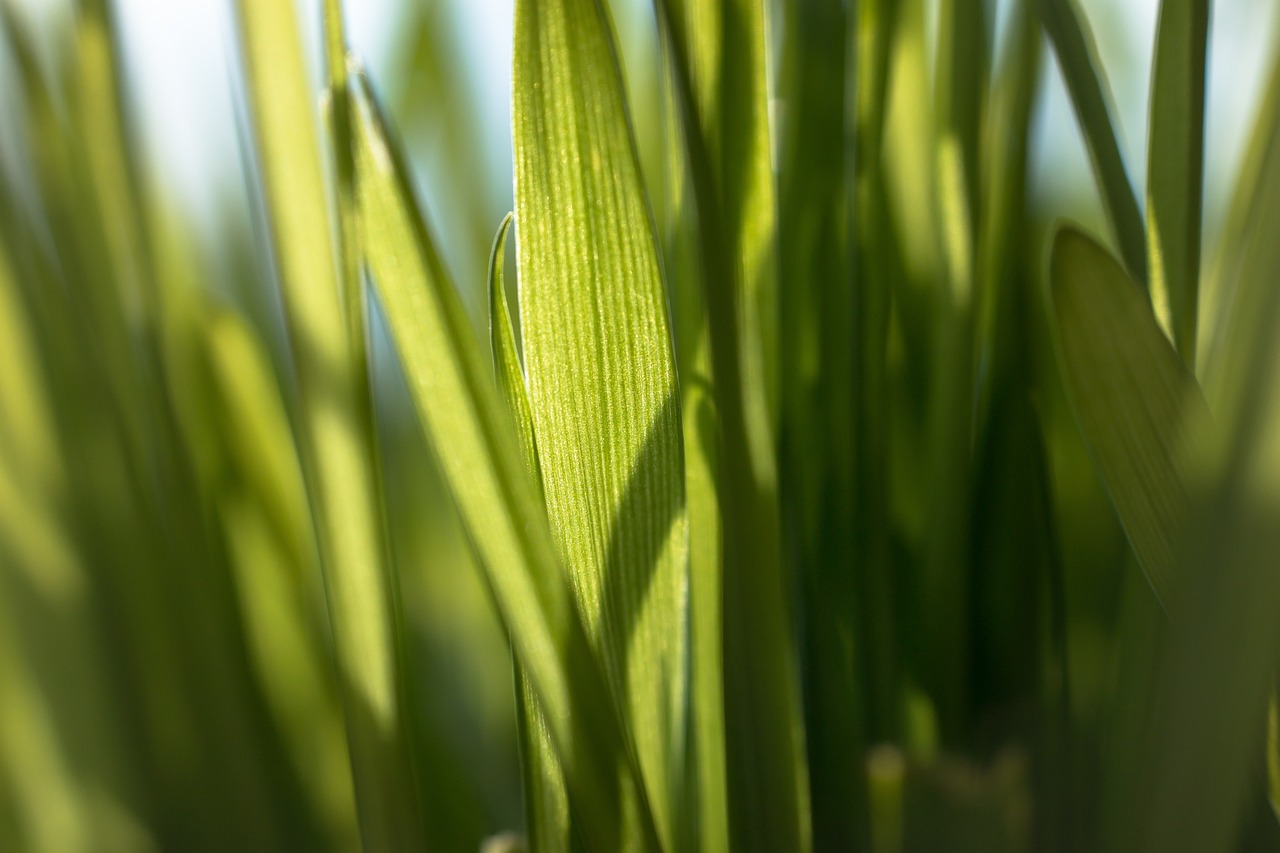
(337, 438)
(453, 391)
(1135, 402)
(1175, 169)
(709, 820)
(602, 384)
(768, 778)
(1073, 42)
(546, 797)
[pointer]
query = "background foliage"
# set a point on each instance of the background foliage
(794, 478)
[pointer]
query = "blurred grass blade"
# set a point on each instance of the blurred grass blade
(1236, 282)
(546, 797)
(271, 547)
(708, 822)
(1219, 668)
(1175, 168)
(337, 439)
(768, 778)
(453, 391)
(1073, 43)
(602, 383)
(1136, 404)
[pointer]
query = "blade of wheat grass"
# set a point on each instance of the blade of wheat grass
(1175, 169)
(453, 391)
(601, 370)
(337, 437)
(1073, 42)
(768, 780)
(1138, 407)
(546, 796)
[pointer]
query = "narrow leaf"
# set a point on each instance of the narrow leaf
(546, 797)
(602, 383)
(768, 794)
(1136, 404)
(1175, 168)
(453, 391)
(1073, 42)
(336, 433)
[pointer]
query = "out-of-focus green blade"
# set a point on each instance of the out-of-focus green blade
(270, 543)
(1073, 43)
(545, 794)
(768, 778)
(1175, 169)
(708, 821)
(479, 455)
(1137, 406)
(602, 383)
(337, 440)
(1235, 283)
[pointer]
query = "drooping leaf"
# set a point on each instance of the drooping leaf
(1175, 168)
(336, 430)
(1073, 42)
(602, 383)
(1137, 406)
(453, 391)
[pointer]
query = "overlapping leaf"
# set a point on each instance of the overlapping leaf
(1072, 40)
(602, 384)
(336, 429)
(1175, 168)
(453, 391)
(1138, 407)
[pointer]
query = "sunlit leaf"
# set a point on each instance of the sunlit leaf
(602, 383)
(453, 391)
(546, 797)
(336, 432)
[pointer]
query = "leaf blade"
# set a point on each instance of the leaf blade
(1175, 169)
(452, 389)
(340, 460)
(1136, 404)
(1073, 43)
(601, 371)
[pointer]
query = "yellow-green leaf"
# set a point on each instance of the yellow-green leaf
(336, 431)
(546, 796)
(602, 381)
(453, 391)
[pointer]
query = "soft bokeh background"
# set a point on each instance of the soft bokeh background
(444, 66)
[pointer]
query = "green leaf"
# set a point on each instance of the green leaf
(1175, 169)
(1073, 42)
(602, 381)
(1238, 281)
(708, 820)
(453, 391)
(340, 460)
(506, 359)
(546, 796)
(768, 778)
(1137, 405)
